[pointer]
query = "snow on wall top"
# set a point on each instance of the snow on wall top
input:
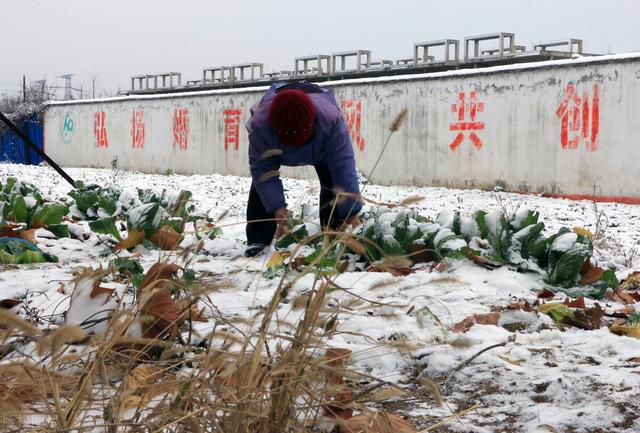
(576, 61)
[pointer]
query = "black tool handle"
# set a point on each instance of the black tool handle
(27, 140)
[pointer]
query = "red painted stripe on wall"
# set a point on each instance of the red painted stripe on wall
(622, 199)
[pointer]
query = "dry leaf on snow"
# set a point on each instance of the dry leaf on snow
(590, 274)
(619, 295)
(576, 303)
(589, 318)
(377, 422)
(396, 272)
(482, 261)
(8, 304)
(338, 394)
(546, 294)
(29, 235)
(154, 299)
(524, 306)
(166, 238)
(134, 237)
(623, 313)
(480, 319)
(628, 330)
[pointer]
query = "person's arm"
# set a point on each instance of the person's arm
(341, 161)
(263, 171)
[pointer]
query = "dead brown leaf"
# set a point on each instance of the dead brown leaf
(337, 358)
(480, 319)
(29, 235)
(590, 273)
(546, 294)
(419, 254)
(589, 318)
(487, 319)
(9, 303)
(158, 275)
(7, 231)
(623, 313)
(134, 237)
(192, 312)
(482, 261)
(166, 238)
(524, 306)
(619, 295)
(12, 231)
(338, 394)
(376, 422)
(464, 325)
(627, 330)
(395, 271)
(576, 303)
(154, 298)
(97, 290)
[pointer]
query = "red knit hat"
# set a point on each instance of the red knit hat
(292, 114)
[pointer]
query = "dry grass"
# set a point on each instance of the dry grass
(254, 380)
(263, 374)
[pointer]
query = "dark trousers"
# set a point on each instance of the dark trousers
(262, 232)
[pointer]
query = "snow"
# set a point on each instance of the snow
(442, 234)
(544, 378)
(564, 242)
(520, 216)
(30, 201)
(449, 73)
(492, 219)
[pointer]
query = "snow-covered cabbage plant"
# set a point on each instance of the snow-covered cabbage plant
(22, 207)
(158, 217)
(516, 241)
(406, 233)
(20, 251)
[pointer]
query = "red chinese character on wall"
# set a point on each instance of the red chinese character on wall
(352, 111)
(100, 129)
(580, 118)
(137, 129)
(473, 107)
(231, 118)
(180, 128)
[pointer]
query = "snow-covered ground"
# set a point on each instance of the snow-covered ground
(543, 378)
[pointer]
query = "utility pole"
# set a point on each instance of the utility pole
(93, 84)
(67, 86)
(24, 88)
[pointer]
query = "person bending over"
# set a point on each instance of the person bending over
(298, 124)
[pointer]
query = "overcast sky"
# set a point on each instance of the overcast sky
(115, 39)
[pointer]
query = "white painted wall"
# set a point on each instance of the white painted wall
(521, 138)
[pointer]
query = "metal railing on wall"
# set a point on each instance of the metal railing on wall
(437, 55)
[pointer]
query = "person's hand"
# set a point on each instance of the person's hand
(281, 216)
(353, 221)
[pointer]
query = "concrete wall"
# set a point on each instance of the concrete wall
(563, 127)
